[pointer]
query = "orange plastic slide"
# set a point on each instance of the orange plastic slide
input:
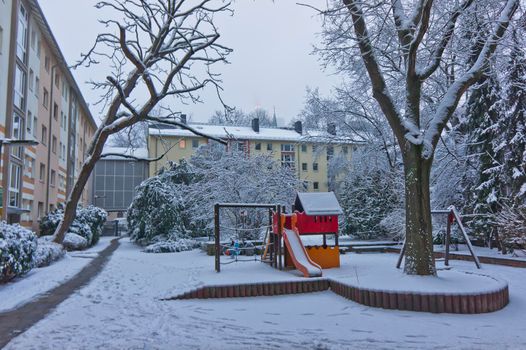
(299, 255)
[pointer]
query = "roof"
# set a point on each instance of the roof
(127, 152)
(318, 203)
(247, 133)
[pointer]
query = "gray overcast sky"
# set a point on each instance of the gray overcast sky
(270, 67)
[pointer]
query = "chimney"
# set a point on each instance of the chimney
(255, 124)
(331, 129)
(298, 127)
(183, 118)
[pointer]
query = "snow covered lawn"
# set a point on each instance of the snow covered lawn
(122, 308)
(41, 280)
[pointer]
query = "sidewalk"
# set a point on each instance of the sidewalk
(15, 322)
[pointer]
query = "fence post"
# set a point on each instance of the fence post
(216, 236)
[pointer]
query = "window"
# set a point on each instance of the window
(21, 38)
(1, 39)
(63, 152)
(287, 147)
(43, 136)
(17, 134)
(345, 149)
(195, 143)
(14, 186)
(65, 91)
(315, 166)
(258, 146)
(288, 160)
(20, 87)
(182, 144)
(37, 87)
(31, 80)
(35, 122)
(45, 100)
(47, 63)
(31, 168)
(33, 39)
(57, 80)
(29, 123)
(315, 185)
(314, 148)
(55, 111)
(38, 48)
(304, 166)
(240, 146)
(54, 145)
(330, 152)
(304, 148)
(269, 147)
(52, 178)
(40, 209)
(42, 173)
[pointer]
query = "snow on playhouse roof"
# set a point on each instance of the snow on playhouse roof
(247, 133)
(318, 203)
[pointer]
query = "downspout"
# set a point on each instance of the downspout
(49, 145)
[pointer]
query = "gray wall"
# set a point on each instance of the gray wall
(115, 182)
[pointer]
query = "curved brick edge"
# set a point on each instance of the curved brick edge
(255, 289)
(425, 302)
(407, 301)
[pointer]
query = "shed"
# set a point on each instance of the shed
(317, 203)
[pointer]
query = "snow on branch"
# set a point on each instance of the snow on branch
(450, 101)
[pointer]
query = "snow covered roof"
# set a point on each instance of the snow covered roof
(125, 151)
(318, 203)
(247, 133)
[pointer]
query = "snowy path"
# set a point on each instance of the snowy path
(121, 308)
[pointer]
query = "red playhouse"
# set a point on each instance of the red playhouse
(313, 214)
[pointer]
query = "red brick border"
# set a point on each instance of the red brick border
(424, 302)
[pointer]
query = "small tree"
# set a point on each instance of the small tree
(160, 50)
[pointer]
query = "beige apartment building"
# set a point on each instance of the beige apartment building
(309, 153)
(39, 101)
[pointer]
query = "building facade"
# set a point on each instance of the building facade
(311, 154)
(40, 101)
(116, 178)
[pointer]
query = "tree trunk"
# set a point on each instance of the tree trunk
(70, 211)
(419, 259)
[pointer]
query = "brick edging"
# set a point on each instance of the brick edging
(426, 302)
(408, 301)
(255, 289)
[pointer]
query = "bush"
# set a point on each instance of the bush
(88, 223)
(171, 246)
(48, 252)
(512, 226)
(73, 241)
(17, 249)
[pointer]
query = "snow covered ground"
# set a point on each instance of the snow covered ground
(122, 308)
(41, 280)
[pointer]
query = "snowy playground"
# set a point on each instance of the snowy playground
(123, 307)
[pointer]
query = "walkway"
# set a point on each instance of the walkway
(15, 322)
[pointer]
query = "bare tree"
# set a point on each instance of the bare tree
(411, 62)
(160, 51)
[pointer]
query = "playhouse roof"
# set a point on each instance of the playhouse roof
(318, 203)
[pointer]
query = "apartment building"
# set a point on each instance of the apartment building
(310, 154)
(39, 100)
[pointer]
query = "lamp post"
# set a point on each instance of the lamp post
(16, 143)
